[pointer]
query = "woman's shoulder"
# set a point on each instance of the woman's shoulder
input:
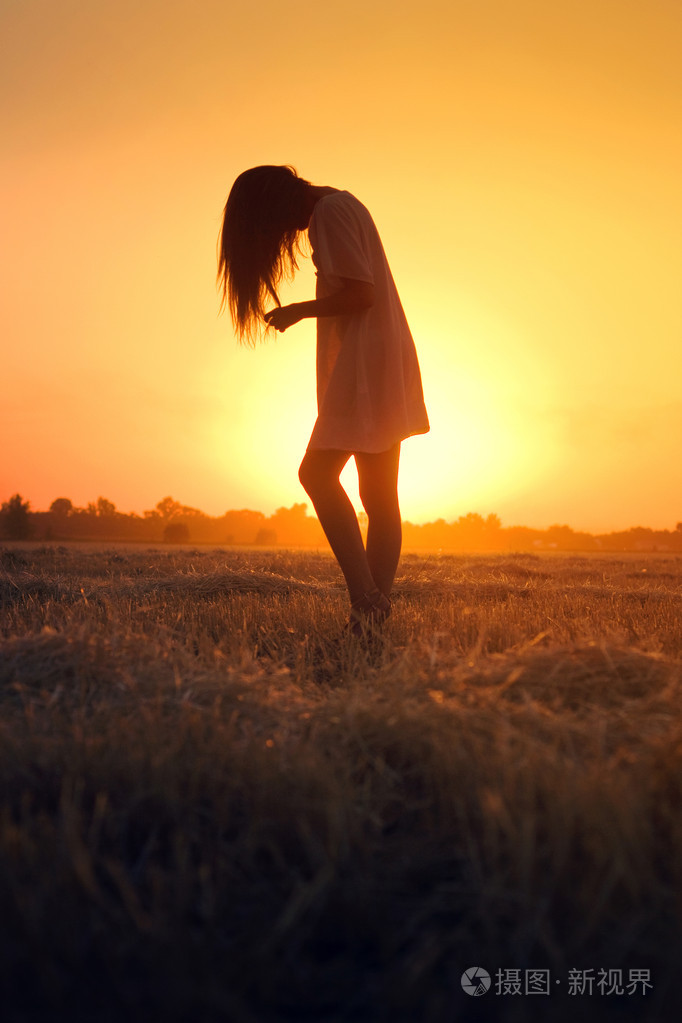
(341, 205)
(340, 197)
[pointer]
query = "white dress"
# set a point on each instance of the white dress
(369, 388)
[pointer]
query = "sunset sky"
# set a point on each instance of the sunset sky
(521, 158)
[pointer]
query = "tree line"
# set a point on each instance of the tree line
(172, 522)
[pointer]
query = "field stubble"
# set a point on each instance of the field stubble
(215, 805)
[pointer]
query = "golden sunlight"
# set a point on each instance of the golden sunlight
(487, 406)
(480, 445)
(523, 171)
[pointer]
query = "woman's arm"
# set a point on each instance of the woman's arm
(353, 297)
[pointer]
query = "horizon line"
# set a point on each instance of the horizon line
(181, 508)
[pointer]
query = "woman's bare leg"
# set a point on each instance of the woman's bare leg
(319, 474)
(378, 477)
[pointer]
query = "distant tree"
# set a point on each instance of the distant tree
(16, 516)
(242, 525)
(61, 506)
(191, 513)
(105, 508)
(559, 534)
(296, 513)
(167, 508)
(294, 526)
(472, 520)
(176, 532)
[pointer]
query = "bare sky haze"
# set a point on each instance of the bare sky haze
(522, 161)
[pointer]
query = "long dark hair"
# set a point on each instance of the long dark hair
(259, 242)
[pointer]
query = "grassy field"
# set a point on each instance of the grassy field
(215, 806)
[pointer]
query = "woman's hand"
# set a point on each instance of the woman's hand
(353, 297)
(283, 316)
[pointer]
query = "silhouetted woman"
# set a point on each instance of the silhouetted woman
(369, 390)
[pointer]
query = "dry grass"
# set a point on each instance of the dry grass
(215, 806)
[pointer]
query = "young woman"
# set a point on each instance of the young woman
(369, 390)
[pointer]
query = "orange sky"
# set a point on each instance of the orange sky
(522, 161)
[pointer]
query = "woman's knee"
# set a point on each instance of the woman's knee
(307, 475)
(380, 499)
(320, 470)
(378, 492)
(378, 480)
